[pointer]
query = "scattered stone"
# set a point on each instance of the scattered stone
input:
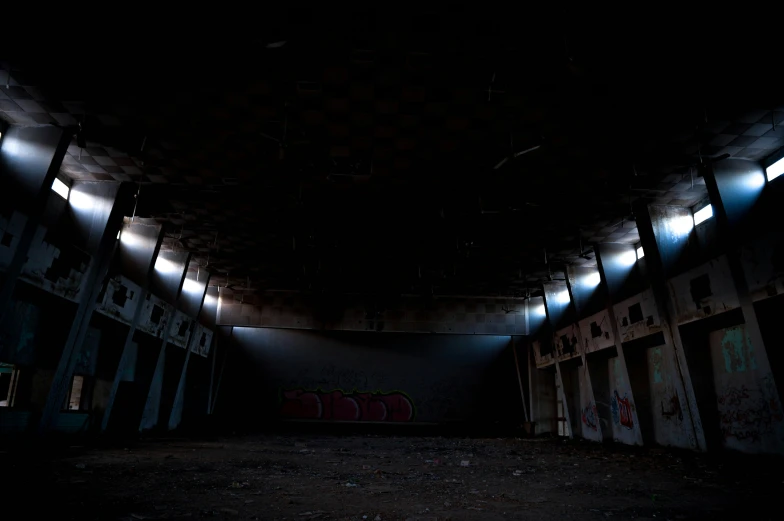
(81, 466)
(351, 485)
(229, 511)
(377, 518)
(465, 463)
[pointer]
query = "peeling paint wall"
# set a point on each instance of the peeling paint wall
(566, 342)
(637, 316)
(751, 418)
(669, 412)
(706, 290)
(541, 359)
(156, 315)
(180, 329)
(58, 270)
(202, 341)
(119, 299)
(597, 332)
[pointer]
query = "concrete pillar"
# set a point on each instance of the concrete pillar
(616, 262)
(577, 284)
(664, 236)
(735, 187)
(168, 278)
(140, 242)
(559, 311)
(195, 289)
(98, 219)
(207, 317)
(30, 159)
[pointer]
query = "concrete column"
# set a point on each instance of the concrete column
(223, 368)
(735, 187)
(559, 310)
(30, 158)
(207, 317)
(140, 242)
(214, 354)
(176, 413)
(167, 279)
(574, 279)
(519, 378)
(615, 263)
(100, 220)
(663, 236)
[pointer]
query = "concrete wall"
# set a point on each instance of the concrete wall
(485, 316)
(393, 377)
(750, 414)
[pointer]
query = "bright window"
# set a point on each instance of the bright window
(775, 170)
(703, 215)
(640, 253)
(60, 188)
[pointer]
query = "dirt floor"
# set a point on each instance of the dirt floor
(380, 478)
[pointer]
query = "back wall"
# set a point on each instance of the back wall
(368, 376)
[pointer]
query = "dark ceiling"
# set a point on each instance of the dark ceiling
(358, 152)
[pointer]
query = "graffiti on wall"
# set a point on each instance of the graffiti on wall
(337, 405)
(590, 417)
(737, 350)
(748, 413)
(622, 410)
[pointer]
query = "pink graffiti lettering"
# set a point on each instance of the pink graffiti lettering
(339, 406)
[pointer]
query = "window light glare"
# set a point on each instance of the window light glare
(775, 170)
(627, 258)
(593, 280)
(562, 297)
(703, 215)
(191, 286)
(60, 188)
(640, 253)
(163, 265)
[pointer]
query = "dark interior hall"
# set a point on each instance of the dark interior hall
(367, 263)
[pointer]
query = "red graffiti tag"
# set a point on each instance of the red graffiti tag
(624, 411)
(590, 417)
(339, 406)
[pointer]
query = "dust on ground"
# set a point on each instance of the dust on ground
(383, 478)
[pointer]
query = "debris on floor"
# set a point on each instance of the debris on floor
(375, 478)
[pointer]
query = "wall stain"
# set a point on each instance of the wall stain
(656, 358)
(737, 350)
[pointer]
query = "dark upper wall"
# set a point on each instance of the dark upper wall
(26, 154)
(468, 378)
